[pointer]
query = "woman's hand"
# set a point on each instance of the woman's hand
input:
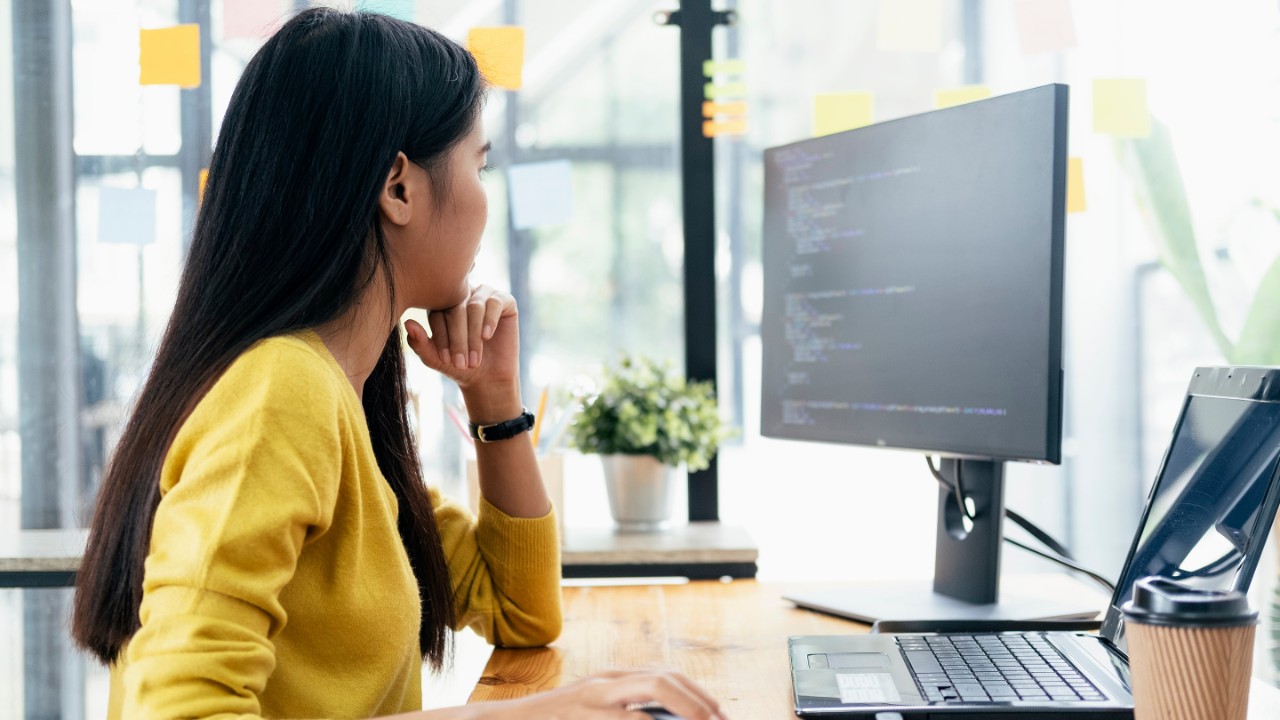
(608, 695)
(475, 343)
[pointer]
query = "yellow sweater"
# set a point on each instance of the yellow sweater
(276, 583)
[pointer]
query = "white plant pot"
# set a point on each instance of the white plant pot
(640, 490)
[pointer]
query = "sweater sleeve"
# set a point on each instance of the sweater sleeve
(505, 572)
(250, 479)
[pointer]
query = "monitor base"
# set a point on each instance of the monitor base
(916, 600)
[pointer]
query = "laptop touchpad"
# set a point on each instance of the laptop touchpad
(857, 660)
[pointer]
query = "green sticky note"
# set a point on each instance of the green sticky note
(1120, 107)
(170, 56)
(951, 97)
(723, 67)
(500, 53)
(836, 112)
(717, 91)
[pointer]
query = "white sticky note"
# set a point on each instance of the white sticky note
(909, 25)
(126, 216)
(1044, 25)
(541, 193)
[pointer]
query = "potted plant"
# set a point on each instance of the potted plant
(644, 422)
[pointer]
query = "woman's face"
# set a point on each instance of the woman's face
(434, 244)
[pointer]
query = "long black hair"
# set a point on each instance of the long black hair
(288, 236)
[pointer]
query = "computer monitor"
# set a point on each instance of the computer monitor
(913, 300)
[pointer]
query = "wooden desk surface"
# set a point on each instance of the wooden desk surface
(731, 638)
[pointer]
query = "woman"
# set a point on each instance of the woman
(263, 543)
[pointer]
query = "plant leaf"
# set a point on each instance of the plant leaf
(1259, 342)
(1154, 168)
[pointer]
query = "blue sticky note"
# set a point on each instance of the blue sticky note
(400, 9)
(541, 193)
(126, 216)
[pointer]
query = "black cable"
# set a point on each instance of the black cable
(1063, 555)
(1110, 586)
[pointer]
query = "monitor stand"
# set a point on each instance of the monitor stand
(966, 577)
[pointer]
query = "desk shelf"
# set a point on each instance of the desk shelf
(698, 551)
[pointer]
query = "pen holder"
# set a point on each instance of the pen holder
(551, 467)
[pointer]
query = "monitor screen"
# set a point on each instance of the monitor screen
(913, 282)
(1211, 502)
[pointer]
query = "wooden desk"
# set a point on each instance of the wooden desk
(731, 638)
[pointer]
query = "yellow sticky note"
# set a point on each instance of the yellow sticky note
(1120, 107)
(204, 180)
(500, 53)
(835, 112)
(959, 96)
(723, 67)
(1075, 185)
(170, 56)
(716, 91)
(731, 126)
(909, 25)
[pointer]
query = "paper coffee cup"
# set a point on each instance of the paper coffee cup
(1190, 651)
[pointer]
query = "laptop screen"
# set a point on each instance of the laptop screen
(1212, 504)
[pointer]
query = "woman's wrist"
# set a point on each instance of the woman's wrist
(493, 403)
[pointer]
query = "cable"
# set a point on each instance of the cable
(1061, 555)
(1110, 586)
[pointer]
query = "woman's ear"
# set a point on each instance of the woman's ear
(401, 195)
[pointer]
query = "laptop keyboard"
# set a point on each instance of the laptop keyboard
(996, 668)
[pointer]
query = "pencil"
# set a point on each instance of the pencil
(537, 419)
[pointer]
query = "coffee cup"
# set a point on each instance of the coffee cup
(1190, 651)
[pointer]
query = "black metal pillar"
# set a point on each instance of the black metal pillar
(696, 20)
(196, 108)
(48, 335)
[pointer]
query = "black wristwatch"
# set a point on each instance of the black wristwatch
(504, 430)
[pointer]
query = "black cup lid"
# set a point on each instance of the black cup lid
(1161, 601)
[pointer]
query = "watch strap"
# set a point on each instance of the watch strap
(503, 430)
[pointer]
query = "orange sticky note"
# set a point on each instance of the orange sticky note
(170, 56)
(1120, 107)
(712, 109)
(500, 53)
(731, 126)
(204, 180)
(1075, 185)
(959, 96)
(836, 112)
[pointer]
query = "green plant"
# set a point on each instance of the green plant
(644, 408)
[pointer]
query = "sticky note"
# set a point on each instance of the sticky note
(204, 180)
(1120, 107)
(731, 126)
(909, 25)
(126, 216)
(401, 9)
(1075, 185)
(500, 54)
(541, 193)
(951, 97)
(715, 91)
(251, 18)
(712, 109)
(171, 56)
(723, 67)
(1044, 25)
(835, 112)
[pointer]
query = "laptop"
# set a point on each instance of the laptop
(1205, 524)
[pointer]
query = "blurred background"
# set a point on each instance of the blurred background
(1160, 276)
